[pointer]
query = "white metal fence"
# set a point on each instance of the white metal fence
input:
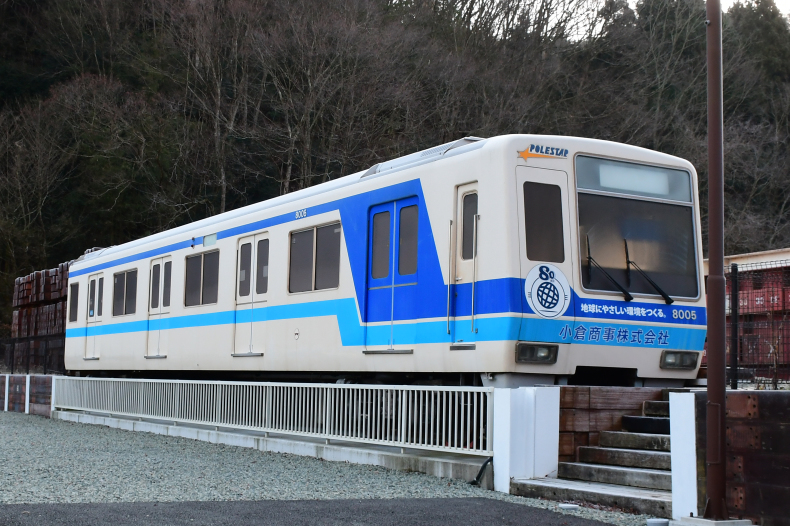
(453, 419)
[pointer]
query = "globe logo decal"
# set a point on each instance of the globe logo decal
(547, 290)
(548, 295)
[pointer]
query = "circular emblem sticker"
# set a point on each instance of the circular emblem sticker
(547, 290)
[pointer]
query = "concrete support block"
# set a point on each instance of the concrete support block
(683, 441)
(526, 434)
(696, 521)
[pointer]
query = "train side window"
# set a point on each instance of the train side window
(202, 279)
(166, 286)
(74, 296)
(130, 305)
(92, 298)
(124, 300)
(380, 266)
(301, 264)
(155, 276)
(469, 213)
(327, 257)
(315, 259)
(210, 290)
(245, 264)
(100, 299)
(262, 279)
(407, 244)
(119, 286)
(194, 266)
(543, 222)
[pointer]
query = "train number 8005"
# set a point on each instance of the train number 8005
(679, 314)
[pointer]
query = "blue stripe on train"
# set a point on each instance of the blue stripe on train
(352, 332)
(428, 298)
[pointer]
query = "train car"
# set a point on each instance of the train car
(514, 260)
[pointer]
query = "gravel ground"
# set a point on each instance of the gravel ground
(52, 461)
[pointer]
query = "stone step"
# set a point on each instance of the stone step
(622, 476)
(646, 501)
(625, 457)
(654, 408)
(625, 440)
(646, 424)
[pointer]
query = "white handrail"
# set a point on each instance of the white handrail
(452, 419)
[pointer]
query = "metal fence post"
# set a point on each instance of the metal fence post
(734, 325)
(52, 396)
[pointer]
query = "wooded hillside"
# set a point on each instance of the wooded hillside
(122, 118)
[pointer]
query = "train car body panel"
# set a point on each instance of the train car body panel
(378, 272)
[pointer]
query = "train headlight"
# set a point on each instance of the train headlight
(679, 359)
(537, 353)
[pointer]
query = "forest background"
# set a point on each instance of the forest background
(122, 118)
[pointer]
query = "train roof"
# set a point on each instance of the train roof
(398, 164)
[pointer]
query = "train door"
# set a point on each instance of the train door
(545, 247)
(392, 275)
(252, 287)
(95, 307)
(462, 326)
(159, 307)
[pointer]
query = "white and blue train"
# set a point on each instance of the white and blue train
(513, 260)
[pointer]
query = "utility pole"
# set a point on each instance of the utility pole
(716, 506)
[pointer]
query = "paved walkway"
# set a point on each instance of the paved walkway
(391, 512)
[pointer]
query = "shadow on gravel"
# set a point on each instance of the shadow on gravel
(433, 512)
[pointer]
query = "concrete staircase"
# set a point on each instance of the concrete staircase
(628, 469)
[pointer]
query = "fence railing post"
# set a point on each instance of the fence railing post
(734, 325)
(52, 395)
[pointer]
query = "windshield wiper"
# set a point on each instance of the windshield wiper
(591, 261)
(628, 264)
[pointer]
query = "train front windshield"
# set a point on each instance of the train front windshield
(639, 214)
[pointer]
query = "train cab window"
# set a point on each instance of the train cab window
(124, 300)
(380, 266)
(543, 222)
(468, 250)
(165, 289)
(262, 277)
(315, 259)
(407, 244)
(202, 279)
(74, 295)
